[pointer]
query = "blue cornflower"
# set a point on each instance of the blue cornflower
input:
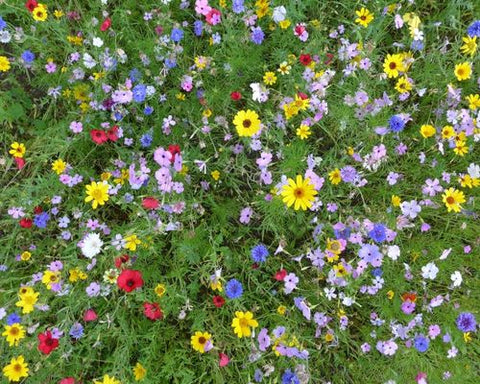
(290, 378)
(135, 75)
(146, 140)
(421, 343)
(3, 24)
(237, 6)
(139, 93)
(170, 63)
(377, 272)
(13, 318)
(176, 35)
(396, 123)
(76, 331)
(259, 253)
(233, 289)
(41, 220)
(474, 29)
(258, 375)
(198, 28)
(378, 233)
(257, 35)
(148, 110)
(417, 45)
(466, 322)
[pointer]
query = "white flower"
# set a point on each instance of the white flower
(393, 252)
(88, 61)
(456, 278)
(97, 42)
(330, 293)
(279, 14)
(474, 171)
(347, 301)
(150, 91)
(92, 245)
(260, 92)
(410, 208)
(430, 271)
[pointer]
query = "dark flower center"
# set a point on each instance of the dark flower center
(247, 123)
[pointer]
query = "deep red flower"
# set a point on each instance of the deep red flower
(173, 149)
(106, 24)
(31, 4)
(152, 311)
(255, 266)
(37, 210)
(235, 96)
(67, 380)
(129, 280)
(20, 162)
(305, 59)
(150, 203)
(218, 301)
(299, 29)
(409, 296)
(90, 315)
(26, 223)
(46, 342)
(302, 95)
(280, 275)
(112, 133)
(120, 260)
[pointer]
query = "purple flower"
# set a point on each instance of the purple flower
(396, 123)
(291, 281)
(421, 343)
(13, 318)
(246, 215)
(257, 35)
(466, 322)
(378, 234)
(303, 307)
(263, 340)
(349, 174)
(474, 29)
(259, 253)
(93, 289)
(408, 307)
(41, 220)
(233, 289)
(76, 331)
(370, 253)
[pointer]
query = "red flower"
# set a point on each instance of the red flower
(67, 380)
(112, 133)
(98, 136)
(173, 149)
(150, 203)
(90, 315)
(280, 275)
(302, 95)
(106, 24)
(37, 210)
(152, 311)
(223, 359)
(218, 301)
(210, 16)
(20, 162)
(31, 4)
(46, 342)
(235, 96)
(305, 59)
(120, 260)
(329, 58)
(129, 280)
(26, 223)
(299, 29)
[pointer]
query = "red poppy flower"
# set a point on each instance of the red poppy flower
(26, 223)
(67, 380)
(129, 280)
(20, 162)
(305, 59)
(106, 24)
(31, 4)
(98, 136)
(46, 342)
(112, 133)
(37, 210)
(410, 296)
(235, 96)
(173, 149)
(150, 203)
(152, 311)
(280, 275)
(120, 260)
(218, 301)
(90, 315)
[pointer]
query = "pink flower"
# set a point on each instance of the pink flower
(224, 360)
(213, 17)
(202, 7)
(90, 315)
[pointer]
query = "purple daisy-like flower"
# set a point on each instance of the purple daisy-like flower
(466, 322)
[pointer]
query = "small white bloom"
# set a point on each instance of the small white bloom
(474, 171)
(260, 92)
(279, 14)
(88, 61)
(92, 245)
(410, 208)
(430, 271)
(393, 252)
(456, 278)
(97, 42)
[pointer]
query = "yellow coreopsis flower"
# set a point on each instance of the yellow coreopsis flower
(403, 85)
(50, 277)
(28, 298)
(284, 24)
(364, 17)
(247, 123)
(131, 242)
(463, 71)
(470, 46)
(139, 372)
(299, 193)
(303, 132)
(97, 193)
(335, 177)
(242, 322)
(269, 78)
(453, 198)
(200, 340)
(448, 132)
(215, 175)
(473, 101)
(427, 130)
(59, 166)
(4, 64)
(396, 201)
(393, 64)
(39, 13)
(107, 380)
(25, 256)
(160, 290)
(18, 149)
(17, 369)
(14, 333)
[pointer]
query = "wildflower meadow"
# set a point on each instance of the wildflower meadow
(239, 191)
